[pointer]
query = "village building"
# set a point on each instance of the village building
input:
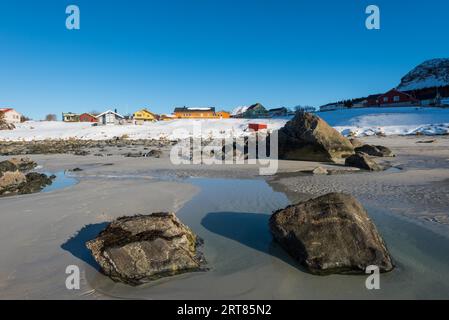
(303, 109)
(278, 112)
(256, 110)
(360, 104)
(200, 113)
(144, 115)
(333, 106)
(110, 118)
(70, 117)
(87, 117)
(395, 98)
(10, 115)
(167, 117)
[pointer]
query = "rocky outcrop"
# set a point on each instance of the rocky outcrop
(363, 161)
(429, 74)
(139, 249)
(11, 182)
(375, 151)
(14, 164)
(308, 137)
(331, 234)
(74, 146)
(14, 179)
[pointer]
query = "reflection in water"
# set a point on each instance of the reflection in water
(61, 181)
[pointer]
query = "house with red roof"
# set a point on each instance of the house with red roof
(87, 117)
(395, 98)
(11, 115)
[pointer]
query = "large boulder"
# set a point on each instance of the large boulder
(142, 248)
(362, 161)
(308, 137)
(331, 234)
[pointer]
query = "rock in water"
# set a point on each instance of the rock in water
(139, 249)
(308, 137)
(331, 234)
(375, 151)
(362, 160)
(35, 182)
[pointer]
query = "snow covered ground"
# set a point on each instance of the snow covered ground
(389, 121)
(173, 129)
(361, 122)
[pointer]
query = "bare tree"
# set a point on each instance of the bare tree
(50, 117)
(24, 118)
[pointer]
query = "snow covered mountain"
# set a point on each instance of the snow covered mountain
(431, 73)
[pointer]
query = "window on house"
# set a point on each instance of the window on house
(396, 98)
(385, 99)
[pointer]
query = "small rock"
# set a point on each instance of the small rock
(362, 161)
(133, 155)
(155, 153)
(331, 234)
(139, 249)
(426, 141)
(375, 151)
(81, 153)
(320, 171)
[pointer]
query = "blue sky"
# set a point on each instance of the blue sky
(222, 53)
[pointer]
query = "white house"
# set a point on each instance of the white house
(332, 107)
(11, 115)
(110, 118)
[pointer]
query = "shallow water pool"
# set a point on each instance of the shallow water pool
(232, 217)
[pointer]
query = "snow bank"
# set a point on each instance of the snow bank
(389, 121)
(172, 130)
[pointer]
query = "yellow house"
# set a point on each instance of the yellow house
(144, 115)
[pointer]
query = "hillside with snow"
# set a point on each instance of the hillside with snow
(431, 73)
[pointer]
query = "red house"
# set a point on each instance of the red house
(87, 117)
(257, 126)
(396, 98)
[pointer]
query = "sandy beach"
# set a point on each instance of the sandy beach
(228, 206)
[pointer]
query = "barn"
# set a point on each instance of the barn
(87, 117)
(395, 98)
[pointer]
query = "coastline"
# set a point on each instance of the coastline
(38, 232)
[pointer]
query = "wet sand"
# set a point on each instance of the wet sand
(229, 207)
